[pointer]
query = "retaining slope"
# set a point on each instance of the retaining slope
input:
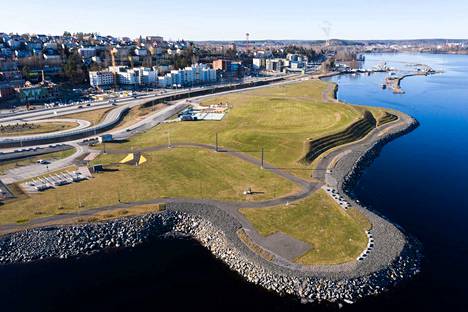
(354, 132)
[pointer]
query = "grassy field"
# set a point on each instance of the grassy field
(189, 173)
(37, 128)
(279, 118)
(138, 112)
(11, 164)
(94, 116)
(334, 235)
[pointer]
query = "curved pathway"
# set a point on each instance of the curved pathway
(389, 240)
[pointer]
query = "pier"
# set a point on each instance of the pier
(395, 81)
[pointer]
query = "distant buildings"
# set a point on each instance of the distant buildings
(154, 39)
(87, 53)
(258, 63)
(38, 93)
(228, 69)
(143, 76)
(101, 79)
(274, 65)
(6, 91)
(198, 74)
(292, 63)
(224, 65)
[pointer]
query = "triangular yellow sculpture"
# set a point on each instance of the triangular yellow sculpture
(127, 159)
(142, 160)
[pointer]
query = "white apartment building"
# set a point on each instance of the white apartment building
(101, 78)
(275, 65)
(189, 76)
(137, 76)
(258, 63)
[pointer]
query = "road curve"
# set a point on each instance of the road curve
(81, 124)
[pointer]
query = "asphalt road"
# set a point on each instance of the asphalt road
(381, 228)
(148, 122)
(28, 172)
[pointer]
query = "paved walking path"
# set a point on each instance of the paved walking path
(386, 251)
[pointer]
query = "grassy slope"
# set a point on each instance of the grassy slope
(45, 127)
(136, 113)
(94, 116)
(190, 173)
(280, 119)
(333, 235)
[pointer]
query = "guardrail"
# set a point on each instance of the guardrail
(107, 125)
(63, 137)
(24, 153)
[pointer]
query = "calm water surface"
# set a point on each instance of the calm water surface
(418, 181)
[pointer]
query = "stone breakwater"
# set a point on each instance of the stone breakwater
(215, 230)
(395, 259)
(349, 180)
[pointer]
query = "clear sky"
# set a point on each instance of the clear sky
(230, 20)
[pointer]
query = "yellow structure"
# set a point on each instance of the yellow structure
(142, 160)
(127, 159)
(134, 159)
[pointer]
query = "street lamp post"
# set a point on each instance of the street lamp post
(263, 154)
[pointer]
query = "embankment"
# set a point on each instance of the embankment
(214, 229)
(354, 132)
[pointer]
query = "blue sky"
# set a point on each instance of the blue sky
(230, 20)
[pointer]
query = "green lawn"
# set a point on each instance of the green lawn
(279, 118)
(188, 172)
(334, 235)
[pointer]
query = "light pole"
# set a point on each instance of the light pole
(263, 154)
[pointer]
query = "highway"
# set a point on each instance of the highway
(111, 119)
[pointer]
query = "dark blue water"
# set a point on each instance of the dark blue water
(419, 181)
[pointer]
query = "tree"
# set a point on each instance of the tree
(73, 68)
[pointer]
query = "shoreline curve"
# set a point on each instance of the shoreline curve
(395, 259)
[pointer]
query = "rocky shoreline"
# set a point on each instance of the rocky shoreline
(216, 230)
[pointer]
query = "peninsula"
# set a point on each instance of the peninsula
(263, 187)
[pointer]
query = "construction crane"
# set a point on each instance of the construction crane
(247, 40)
(113, 52)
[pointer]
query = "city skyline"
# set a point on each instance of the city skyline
(212, 20)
